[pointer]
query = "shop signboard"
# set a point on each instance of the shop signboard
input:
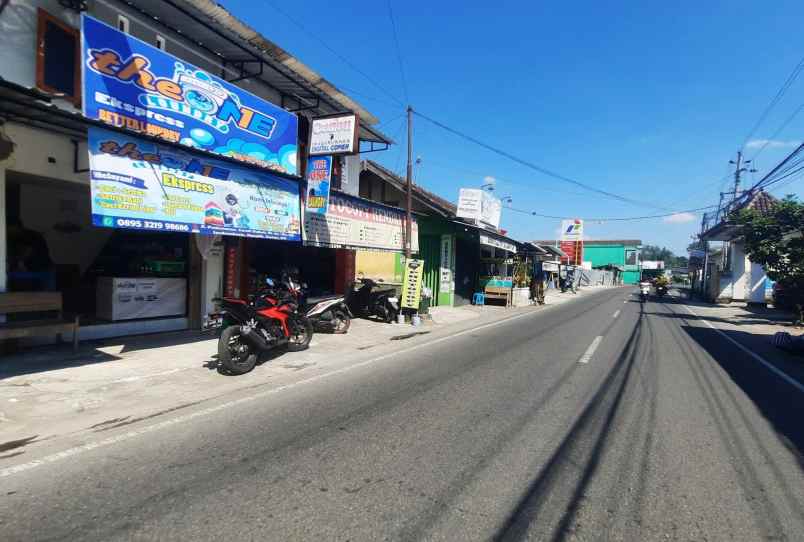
(139, 184)
(334, 134)
(550, 266)
(358, 224)
(497, 243)
(479, 206)
(412, 284)
(572, 230)
(133, 85)
(319, 177)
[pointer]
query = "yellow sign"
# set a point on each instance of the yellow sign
(412, 284)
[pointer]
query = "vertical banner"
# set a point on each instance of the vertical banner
(412, 284)
(445, 275)
(319, 174)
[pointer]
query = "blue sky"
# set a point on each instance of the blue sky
(645, 99)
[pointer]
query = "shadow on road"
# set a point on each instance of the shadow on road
(779, 402)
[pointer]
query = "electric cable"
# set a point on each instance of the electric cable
(775, 100)
(611, 219)
(398, 52)
(535, 167)
(334, 52)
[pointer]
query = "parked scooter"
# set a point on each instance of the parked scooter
(366, 301)
(250, 327)
(327, 313)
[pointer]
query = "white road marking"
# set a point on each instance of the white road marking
(70, 452)
(768, 365)
(616, 314)
(587, 356)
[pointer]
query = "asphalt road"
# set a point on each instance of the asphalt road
(666, 432)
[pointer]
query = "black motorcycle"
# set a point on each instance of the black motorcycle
(365, 300)
(661, 290)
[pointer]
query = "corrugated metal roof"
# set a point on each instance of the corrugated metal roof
(212, 27)
(446, 207)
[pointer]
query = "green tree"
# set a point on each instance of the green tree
(775, 240)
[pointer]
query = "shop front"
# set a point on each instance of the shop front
(358, 237)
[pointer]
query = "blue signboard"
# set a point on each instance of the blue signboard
(143, 185)
(319, 175)
(130, 84)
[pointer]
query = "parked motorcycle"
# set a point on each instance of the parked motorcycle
(367, 301)
(264, 322)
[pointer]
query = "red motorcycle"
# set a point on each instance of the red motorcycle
(264, 322)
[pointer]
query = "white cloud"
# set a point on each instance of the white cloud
(772, 144)
(680, 218)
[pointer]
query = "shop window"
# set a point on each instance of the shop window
(631, 257)
(57, 57)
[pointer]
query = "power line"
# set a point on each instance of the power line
(779, 94)
(334, 52)
(398, 52)
(612, 219)
(533, 166)
(778, 131)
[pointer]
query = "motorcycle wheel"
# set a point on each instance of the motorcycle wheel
(301, 333)
(390, 316)
(234, 354)
(341, 322)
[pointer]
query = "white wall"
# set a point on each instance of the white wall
(45, 154)
(18, 39)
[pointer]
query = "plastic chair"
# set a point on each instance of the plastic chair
(479, 298)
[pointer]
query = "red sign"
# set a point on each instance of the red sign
(574, 252)
(231, 271)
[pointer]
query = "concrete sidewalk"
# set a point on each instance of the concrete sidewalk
(50, 393)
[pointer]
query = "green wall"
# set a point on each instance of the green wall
(614, 254)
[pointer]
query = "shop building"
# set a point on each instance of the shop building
(127, 278)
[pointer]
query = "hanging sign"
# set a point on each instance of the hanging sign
(139, 184)
(358, 224)
(133, 85)
(319, 176)
(336, 134)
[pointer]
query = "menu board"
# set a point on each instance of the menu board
(358, 224)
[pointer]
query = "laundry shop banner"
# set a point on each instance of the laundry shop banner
(143, 185)
(133, 85)
(358, 224)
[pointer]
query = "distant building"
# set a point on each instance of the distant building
(622, 254)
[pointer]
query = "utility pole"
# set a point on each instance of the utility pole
(738, 170)
(409, 186)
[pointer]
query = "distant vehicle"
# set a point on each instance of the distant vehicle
(644, 290)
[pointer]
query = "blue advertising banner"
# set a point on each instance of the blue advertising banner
(319, 176)
(130, 84)
(142, 185)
